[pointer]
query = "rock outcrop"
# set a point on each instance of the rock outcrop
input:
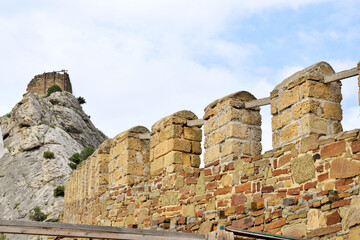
(35, 125)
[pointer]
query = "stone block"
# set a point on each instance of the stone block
(156, 167)
(127, 156)
(169, 198)
(243, 223)
(313, 219)
(189, 210)
(313, 123)
(289, 132)
(161, 149)
(275, 224)
(205, 227)
(200, 184)
(173, 157)
(316, 90)
(216, 137)
(333, 218)
(288, 98)
(171, 131)
(332, 111)
(303, 168)
(237, 130)
(250, 117)
(230, 146)
(305, 107)
(212, 154)
(179, 145)
(354, 233)
(344, 168)
(273, 106)
(196, 147)
(309, 143)
(133, 143)
(134, 169)
(211, 125)
(195, 160)
(255, 148)
(229, 115)
(193, 133)
(280, 120)
(333, 149)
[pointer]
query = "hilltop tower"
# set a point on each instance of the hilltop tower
(40, 83)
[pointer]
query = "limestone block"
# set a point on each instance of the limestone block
(344, 168)
(212, 154)
(173, 157)
(237, 130)
(255, 148)
(117, 150)
(289, 132)
(304, 107)
(354, 233)
(169, 198)
(189, 210)
(127, 156)
(196, 147)
(332, 111)
(179, 145)
(309, 143)
(195, 160)
(210, 125)
(273, 106)
(313, 219)
(303, 168)
(251, 117)
(171, 131)
(134, 169)
(313, 123)
(295, 230)
(161, 149)
(133, 143)
(280, 120)
(276, 138)
(353, 215)
(205, 227)
(193, 133)
(231, 146)
(288, 98)
(200, 184)
(175, 168)
(228, 115)
(157, 166)
(154, 139)
(216, 137)
(315, 89)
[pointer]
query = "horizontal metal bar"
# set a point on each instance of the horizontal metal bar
(341, 75)
(258, 102)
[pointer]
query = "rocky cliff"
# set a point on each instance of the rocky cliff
(35, 125)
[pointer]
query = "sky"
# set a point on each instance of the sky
(138, 61)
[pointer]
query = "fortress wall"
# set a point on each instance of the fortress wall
(40, 83)
(307, 186)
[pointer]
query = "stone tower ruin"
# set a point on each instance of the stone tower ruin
(40, 83)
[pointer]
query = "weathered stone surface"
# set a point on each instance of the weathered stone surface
(354, 233)
(37, 124)
(200, 185)
(333, 149)
(343, 168)
(303, 168)
(353, 215)
(189, 210)
(296, 230)
(205, 227)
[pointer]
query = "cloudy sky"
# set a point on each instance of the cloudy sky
(138, 61)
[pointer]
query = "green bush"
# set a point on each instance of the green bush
(75, 158)
(72, 165)
(8, 115)
(81, 100)
(37, 215)
(86, 153)
(59, 191)
(53, 88)
(48, 155)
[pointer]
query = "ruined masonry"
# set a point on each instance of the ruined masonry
(40, 83)
(307, 186)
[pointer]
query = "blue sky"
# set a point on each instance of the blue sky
(138, 61)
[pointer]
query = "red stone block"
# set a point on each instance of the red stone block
(191, 180)
(343, 188)
(230, 166)
(238, 199)
(259, 220)
(294, 191)
(322, 193)
(243, 187)
(355, 146)
(333, 218)
(324, 231)
(257, 229)
(340, 203)
(323, 177)
(284, 160)
(240, 209)
(218, 177)
(278, 172)
(320, 168)
(308, 197)
(267, 189)
(333, 149)
(211, 185)
(275, 224)
(275, 164)
(310, 185)
(243, 223)
(222, 191)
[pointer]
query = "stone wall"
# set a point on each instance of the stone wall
(40, 83)
(307, 186)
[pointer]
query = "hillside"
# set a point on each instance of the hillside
(35, 125)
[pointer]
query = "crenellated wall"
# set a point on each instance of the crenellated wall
(307, 186)
(40, 83)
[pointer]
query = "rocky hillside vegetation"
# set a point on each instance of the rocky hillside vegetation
(40, 134)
